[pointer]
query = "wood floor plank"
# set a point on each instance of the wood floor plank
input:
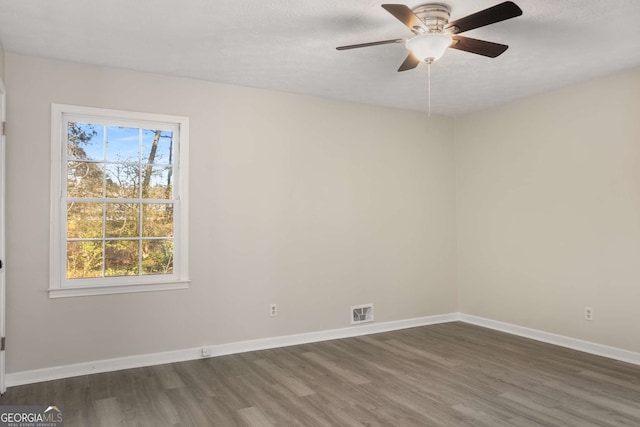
(108, 412)
(335, 369)
(451, 374)
(167, 376)
(601, 399)
(334, 413)
(218, 412)
(284, 377)
(253, 417)
(555, 413)
(481, 417)
(602, 414)
(189, 408)
(524, 422)
(611, 379)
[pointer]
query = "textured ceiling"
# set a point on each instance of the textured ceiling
(290, 45)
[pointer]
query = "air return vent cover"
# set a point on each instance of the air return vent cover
(361, 313)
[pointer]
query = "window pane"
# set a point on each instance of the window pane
(123, 144)
(122, 220)
(157, 182)
(84, 259)
(157, 146)
(84, 220)
(157, 220)
(84, 179)
(121, 258)
(157, 257)
(123, 181)
(85, 141)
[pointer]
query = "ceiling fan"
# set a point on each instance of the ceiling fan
(433, 33)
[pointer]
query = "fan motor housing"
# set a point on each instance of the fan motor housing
(434, 15)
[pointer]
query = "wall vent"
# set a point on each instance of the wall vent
(361, 313)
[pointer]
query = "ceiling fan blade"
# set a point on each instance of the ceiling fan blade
(406, 16)
(480, 47)
(497, 13)
(355, 46)
(409, 63)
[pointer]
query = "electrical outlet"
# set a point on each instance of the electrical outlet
(273, 310)
(205, 352)
(588, 313)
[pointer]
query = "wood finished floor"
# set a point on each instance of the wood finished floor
(451, 374)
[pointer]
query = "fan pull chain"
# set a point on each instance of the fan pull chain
(429, 87)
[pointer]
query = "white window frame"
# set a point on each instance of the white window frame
(59, 285)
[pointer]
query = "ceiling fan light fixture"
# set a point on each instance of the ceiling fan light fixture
(429, 47)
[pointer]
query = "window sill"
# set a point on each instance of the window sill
(80, 291)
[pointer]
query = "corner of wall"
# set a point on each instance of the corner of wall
(456, 242)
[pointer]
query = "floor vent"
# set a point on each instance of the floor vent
(361, 313)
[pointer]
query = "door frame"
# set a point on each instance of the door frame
(3, 117)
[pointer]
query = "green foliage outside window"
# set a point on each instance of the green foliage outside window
(119, 201)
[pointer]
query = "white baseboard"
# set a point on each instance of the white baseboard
(560, 340)
(108, 365)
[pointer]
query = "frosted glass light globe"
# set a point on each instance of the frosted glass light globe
(429, 47)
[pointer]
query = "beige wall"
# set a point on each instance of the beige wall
(548, 211)
(1, 62)
(312, 204)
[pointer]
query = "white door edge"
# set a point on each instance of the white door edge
(3, 116)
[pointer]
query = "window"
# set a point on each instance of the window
(119, 201)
